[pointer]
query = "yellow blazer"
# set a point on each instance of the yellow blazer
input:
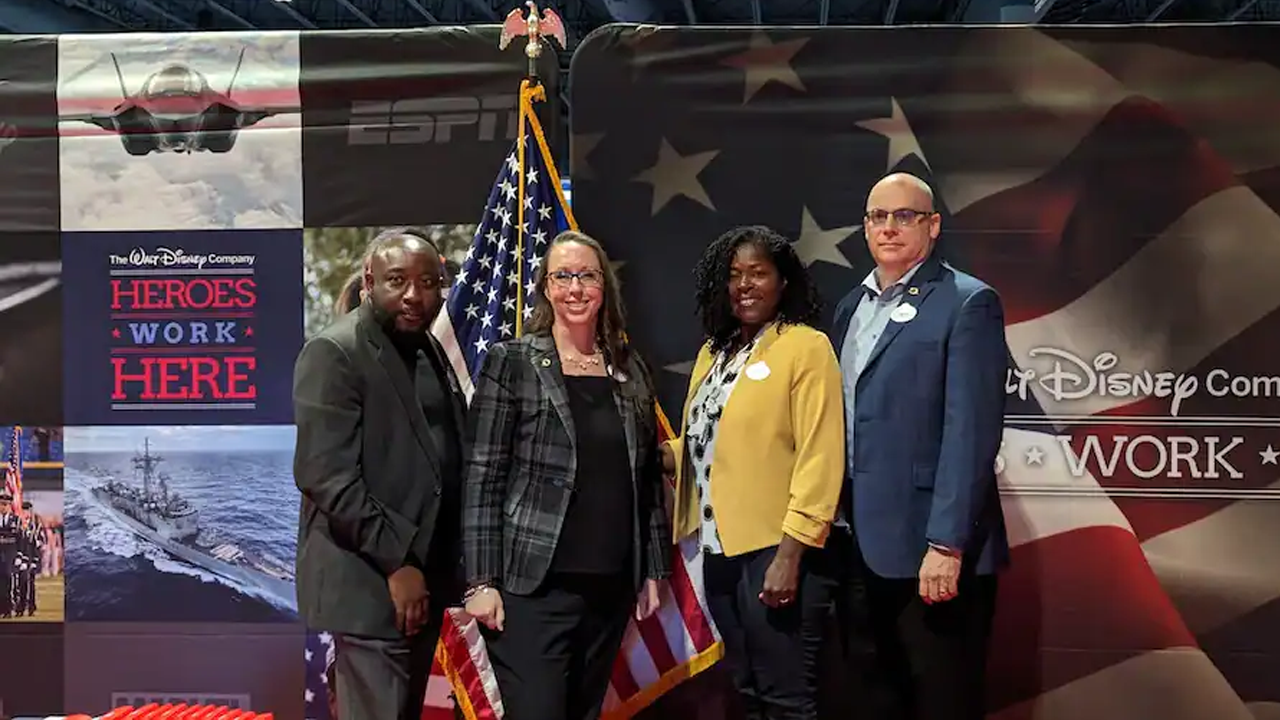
(779, 456)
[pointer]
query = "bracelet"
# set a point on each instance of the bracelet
(476, 590)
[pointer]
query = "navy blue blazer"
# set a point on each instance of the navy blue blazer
(929, 418)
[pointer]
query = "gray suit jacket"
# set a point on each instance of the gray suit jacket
(369, 473)
(520, 473)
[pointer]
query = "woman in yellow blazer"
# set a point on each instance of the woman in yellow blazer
(759, 465)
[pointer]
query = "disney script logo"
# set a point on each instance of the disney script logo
(163, 257)
(1071, 377)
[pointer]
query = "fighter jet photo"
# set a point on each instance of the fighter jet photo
(176, 111)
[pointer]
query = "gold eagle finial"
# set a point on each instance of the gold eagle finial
(535, 27)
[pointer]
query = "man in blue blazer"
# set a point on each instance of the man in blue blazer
(923, 355)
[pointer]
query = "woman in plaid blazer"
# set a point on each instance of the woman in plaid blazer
(564, 520)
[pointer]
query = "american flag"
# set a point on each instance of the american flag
(318, 656)
(481, 310)
(13, 473)
(1120, 188)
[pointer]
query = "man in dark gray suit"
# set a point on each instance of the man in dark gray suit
(378, 460)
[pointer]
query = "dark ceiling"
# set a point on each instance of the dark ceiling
(582, 16)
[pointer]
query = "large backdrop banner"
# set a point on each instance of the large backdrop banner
(179, 212)
(1118, 186)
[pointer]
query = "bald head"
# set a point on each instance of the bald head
(403, 279)
(396, 239)
(901, 224)
(912, 185)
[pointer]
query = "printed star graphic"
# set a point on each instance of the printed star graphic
(115, 333)
(764, 61)
(902, 140)
(1035, 456)
(248, 332)
(1269, 455)
(580, 147)
(817, 244)
(675, 174)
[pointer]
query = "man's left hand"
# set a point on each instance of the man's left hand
(939, 576)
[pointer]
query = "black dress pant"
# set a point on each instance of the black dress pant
(911, 660)
(380, 679)
(772, 654)
(555, 654)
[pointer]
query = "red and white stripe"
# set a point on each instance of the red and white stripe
(13, 473)
(657, 654)
(1170, 265)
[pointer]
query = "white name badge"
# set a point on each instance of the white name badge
(758, 371)
(903, 313)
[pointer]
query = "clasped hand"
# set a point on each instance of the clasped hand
(939, 576)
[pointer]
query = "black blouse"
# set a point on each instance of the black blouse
(597, 533)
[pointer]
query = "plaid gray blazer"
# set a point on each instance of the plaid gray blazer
(520, 472)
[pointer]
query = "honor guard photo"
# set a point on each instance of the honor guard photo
(31, 525)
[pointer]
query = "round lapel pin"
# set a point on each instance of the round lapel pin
(903, 313)
(758, 371)
(546, 362)
(913, 290)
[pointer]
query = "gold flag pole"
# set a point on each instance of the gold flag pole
(535, 27)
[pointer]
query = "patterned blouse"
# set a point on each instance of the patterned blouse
(704, 416)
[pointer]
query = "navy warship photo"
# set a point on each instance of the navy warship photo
(168, 521)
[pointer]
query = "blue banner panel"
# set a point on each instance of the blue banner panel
(197, 328)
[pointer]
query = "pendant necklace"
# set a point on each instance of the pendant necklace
(583, 362)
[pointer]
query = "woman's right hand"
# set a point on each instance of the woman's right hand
(668, 459)
(486, 607)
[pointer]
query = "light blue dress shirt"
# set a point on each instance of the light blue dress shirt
(870, 318)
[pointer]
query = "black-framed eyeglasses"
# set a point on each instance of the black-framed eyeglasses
(901, 216)
(588, 278)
